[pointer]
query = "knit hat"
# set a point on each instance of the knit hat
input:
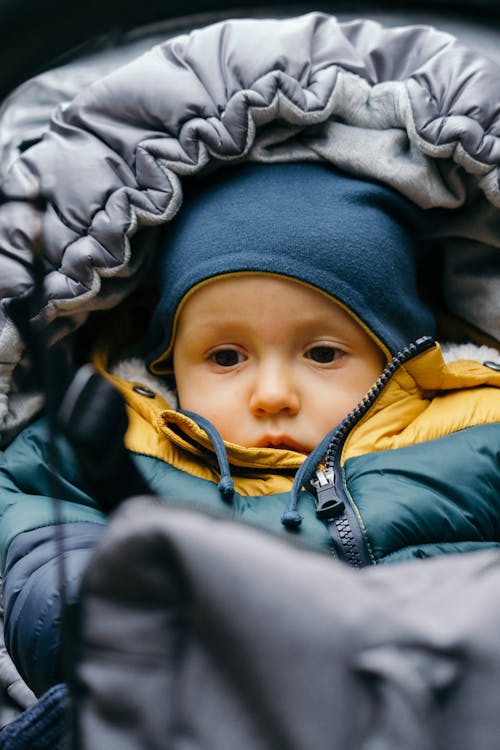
(348, 237)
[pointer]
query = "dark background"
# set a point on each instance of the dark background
(34, 34)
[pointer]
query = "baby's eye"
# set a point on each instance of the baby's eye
(324, 355)
(227, 357)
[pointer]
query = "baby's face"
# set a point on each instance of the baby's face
(271, 362)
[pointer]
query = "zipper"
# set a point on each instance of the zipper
(333, 507)
(332, 503)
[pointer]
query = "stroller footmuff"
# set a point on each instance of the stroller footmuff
(194, 630)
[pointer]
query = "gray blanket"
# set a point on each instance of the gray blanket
(240, 640)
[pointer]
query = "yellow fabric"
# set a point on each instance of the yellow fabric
(425, 399)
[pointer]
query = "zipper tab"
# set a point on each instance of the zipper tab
(328, 503)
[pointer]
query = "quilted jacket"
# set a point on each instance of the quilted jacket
(411, 107)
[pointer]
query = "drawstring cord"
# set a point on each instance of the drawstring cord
(226, 484)
(291, 518)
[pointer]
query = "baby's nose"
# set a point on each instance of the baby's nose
(274, 391)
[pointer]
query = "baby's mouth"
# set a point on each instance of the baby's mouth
(283, 443)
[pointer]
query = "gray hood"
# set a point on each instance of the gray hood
(409, 106)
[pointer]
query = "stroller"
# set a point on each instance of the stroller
(403, 702)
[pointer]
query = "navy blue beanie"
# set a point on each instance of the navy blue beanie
(348, 237)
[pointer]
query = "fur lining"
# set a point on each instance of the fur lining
(454, 352)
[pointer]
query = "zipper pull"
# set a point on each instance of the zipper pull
(328, 503)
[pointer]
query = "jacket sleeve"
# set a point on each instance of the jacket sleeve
(49, 525)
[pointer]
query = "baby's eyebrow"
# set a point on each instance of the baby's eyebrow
(214, 330)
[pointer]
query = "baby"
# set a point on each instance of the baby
(270, 362)
(312, 399)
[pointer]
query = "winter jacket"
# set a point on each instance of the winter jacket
(412, 472)
(422, 451)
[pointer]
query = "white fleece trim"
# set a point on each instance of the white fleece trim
(454, 352)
